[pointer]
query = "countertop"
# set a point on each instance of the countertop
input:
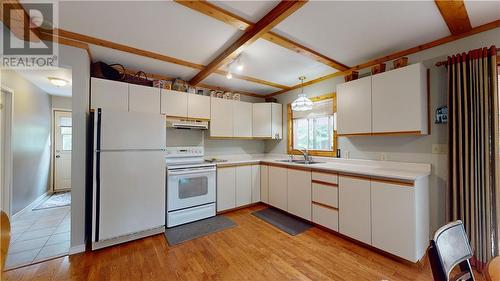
(380, 169)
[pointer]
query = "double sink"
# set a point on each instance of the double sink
(299, 161)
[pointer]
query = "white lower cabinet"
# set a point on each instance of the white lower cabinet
(278, 187)
(393, 219)
(255, 183)
(299, 193)
(354, 208)
(264, 184)
(226, 188)
(243, 185)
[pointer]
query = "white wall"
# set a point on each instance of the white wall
(408, 148)
(31, 126)
(59, 102)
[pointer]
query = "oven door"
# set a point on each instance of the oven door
(190, 187)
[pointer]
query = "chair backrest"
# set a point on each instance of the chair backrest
(4, 238)
(450, 247)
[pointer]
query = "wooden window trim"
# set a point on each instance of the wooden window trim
(320, 153)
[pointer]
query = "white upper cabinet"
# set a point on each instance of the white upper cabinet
(198, 106)
(173, 103)
(399, 100)
(144, 99)
(267, 120)
(109, 94)
(354, 102)
(221, 118)
(242, 119)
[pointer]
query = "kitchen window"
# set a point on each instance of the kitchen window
(314, 129)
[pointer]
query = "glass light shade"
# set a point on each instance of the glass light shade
(302, 103)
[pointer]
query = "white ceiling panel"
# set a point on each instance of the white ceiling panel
(164, 27)
(353, 32)
(481, 12)
(237, 84)
(249, 10)
(268, 61)
(145, 64)
(40, 78)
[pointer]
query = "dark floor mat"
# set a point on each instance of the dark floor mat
(282, 220)
(189, 231)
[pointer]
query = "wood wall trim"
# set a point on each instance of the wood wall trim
(326, 172)
(270, 20)
(325, 183)
(227, 17)
(407, 52)
(455, 15)
(325, 205)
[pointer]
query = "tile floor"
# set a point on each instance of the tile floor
(39, 235)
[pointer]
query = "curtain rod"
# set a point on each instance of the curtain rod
(445, 62)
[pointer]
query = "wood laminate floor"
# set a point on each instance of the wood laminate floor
(253, 250)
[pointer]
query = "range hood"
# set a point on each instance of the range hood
(187, 124)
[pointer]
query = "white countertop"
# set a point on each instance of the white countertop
(381, 169)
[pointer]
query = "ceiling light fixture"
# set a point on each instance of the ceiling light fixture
(239, 65)
(229, 75)
(58, 82)
(302, 103)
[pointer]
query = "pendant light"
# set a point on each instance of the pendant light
(302, 103)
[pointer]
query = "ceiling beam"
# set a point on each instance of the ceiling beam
(455, 15)
(218, 13)
(270, 20)
(407, 52)
(18, 21)
(61, 33)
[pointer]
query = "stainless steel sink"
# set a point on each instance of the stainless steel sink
(299, 161)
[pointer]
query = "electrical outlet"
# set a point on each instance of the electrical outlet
(436, 148)
(383, 156)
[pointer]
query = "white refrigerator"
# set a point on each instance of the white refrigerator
(128, 177)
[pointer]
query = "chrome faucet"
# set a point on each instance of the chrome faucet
(305, 152)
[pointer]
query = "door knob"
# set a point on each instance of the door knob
(58, 156)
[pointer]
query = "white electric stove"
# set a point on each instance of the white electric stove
(191, 185)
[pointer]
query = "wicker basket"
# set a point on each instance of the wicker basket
(379, 68)
(401, 62)
(353, 75)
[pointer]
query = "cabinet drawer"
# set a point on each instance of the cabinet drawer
(326, 217)
(325, 194)
(325, 177)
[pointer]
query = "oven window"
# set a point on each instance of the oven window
(193, 187)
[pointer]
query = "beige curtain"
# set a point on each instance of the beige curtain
(473, 148)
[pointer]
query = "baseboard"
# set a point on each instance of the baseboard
(32, 204)
(76, 249)
(126, 238)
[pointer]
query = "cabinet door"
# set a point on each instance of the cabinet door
(399, 100)
(198, 107)
(277, 124)
(262, 115)
(109, 94)
(243, 185)
(278, 187)
(242, 119)
(144, 99)
(354, 208)
(221, 118)
(299, 193)
(354, 107)
(393, 219)
(264, 184)
(174, 103)
(226, 188)
(256, 183)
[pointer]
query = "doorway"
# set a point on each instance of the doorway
(62, 151)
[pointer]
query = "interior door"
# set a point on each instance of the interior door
(62, 148)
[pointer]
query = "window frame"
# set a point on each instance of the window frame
(291, 150)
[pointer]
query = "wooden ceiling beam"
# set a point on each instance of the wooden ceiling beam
(61, 33)
(455, 15)
(270, 20)
(18, 21)
(407, 52)
(218, 13)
